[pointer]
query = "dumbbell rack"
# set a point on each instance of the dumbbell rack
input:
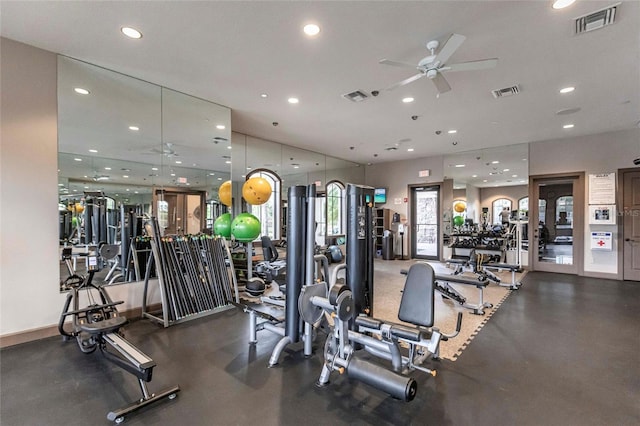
(463, 243)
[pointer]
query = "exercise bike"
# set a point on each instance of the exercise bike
(97, 326)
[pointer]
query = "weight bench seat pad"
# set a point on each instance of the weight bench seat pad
(457, 279)
(416, 306)
(105, 326)
(503, 266)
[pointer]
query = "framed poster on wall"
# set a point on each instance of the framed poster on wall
(602, 214)
(602, 188)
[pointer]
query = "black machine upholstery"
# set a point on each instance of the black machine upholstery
(416, 306)
(269, 252)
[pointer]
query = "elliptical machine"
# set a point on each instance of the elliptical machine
(98, 326)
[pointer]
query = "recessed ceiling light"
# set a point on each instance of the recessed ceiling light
(524, 159)
(178, 162)
(135, 192)
(228, 162)
(81, 91)
(78, 159)
(131, 32)
(311, 29)
(514, 175)
(212, 174)
(86, 187)
(263, 95)
(127, 189)
(229, 147)
(474, 176)
(173, 174)
(568, 126)
(522, 181)
(221, 127)
(567, 89)
(561, 4)
(459, 165)
(293, 100)
(484, 180)
(407, 100)
(125, 176)
(248, 168)
(506, 170)
(93, 150)
(219, 178)
(154, 168)
(61, 184)
(134, 128)
(409, 149)
(452, 132)
(107, 168)
(495, 162)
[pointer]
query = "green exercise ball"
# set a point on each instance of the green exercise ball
(222, 225)
(245, 227)
(458, 221)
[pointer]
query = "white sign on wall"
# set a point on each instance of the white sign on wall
(602, 215)
(602, 188)
(601, 241)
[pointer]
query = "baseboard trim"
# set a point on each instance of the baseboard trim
(12, 339)
(604, 275)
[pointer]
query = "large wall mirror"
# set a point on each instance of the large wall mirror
(129, 150)
(290, 166)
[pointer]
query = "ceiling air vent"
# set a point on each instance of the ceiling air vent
(357, 96)
(507, 91)
(596, 20)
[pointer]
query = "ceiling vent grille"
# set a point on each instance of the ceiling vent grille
(357, 96)
(597, 19)
(507, 91)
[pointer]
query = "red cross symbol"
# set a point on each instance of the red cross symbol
(600, 243)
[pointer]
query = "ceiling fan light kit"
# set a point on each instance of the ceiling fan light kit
(434, 65)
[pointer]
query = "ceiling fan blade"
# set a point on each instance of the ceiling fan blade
(450, 46)
(396, 63)
(406, 81)
(441, 83)
(471, 65)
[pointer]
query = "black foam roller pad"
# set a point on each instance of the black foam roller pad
(396, 385)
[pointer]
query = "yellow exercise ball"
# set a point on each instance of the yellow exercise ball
(256, 191)
(460, 207)
(76, 208)
(224, 193)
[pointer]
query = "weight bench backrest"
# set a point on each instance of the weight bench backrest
(416, 306)
(269, 252)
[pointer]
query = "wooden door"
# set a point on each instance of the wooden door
(631, 225)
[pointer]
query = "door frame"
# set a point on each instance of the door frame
(412, 229)
(159, 192)
(579, 207)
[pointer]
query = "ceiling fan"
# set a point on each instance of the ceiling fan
(167, 150)
(434, 65)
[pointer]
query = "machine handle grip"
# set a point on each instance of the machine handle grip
(459, 323)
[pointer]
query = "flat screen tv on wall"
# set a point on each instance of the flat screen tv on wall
(380, 196)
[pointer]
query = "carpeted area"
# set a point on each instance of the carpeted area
(388, 284)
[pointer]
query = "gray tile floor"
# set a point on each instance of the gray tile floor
(563, 350)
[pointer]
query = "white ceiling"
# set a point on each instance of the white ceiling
(231, 52)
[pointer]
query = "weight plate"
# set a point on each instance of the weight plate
(336, 290)
(308, 311)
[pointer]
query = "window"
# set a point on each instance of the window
(335, 208)
(523, 207)
(321, 223)
(564, 210)
(499, 207)
(542, 211)
(269, 212)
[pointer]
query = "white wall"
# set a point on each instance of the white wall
(473, 203)
(602, 153)
(513, 193)
(29, 269)
(29, 262)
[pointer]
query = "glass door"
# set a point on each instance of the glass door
(425, 214)
(557, 225)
